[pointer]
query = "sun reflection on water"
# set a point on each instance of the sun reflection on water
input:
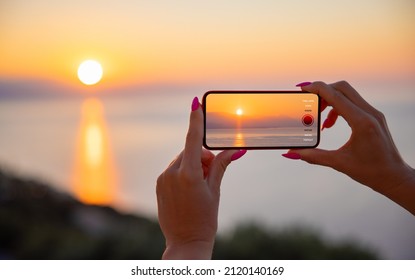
(239, 140)
(94, 177)
(239, 136)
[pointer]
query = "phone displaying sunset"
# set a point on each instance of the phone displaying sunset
(261, 120)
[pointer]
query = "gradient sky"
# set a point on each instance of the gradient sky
(147, 42)
(260, 105)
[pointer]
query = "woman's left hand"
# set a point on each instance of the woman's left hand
(188, 194)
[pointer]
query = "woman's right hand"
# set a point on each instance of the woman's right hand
(369, 156)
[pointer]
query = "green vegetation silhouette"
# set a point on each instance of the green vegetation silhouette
(38, 222)
(252, 241)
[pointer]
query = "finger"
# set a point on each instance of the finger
(207, 158)
(193, 148)
(345, 88)
(330, 120)
(317, 156)
(218, 168)
(176, 162)
(323, 104)
(338, 100)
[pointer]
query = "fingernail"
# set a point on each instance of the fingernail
(238, 155)
(292, 155)
(303, 84)
(324, 125)
(195, 104)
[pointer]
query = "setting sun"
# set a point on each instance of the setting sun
(90, 72)
(239, 112)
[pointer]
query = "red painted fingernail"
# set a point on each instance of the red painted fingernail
(324, 124)
(195, 104)
(238, 155)
(292, 155)
(303, 84)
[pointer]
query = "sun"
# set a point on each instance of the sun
(90, 72)
(239, 112)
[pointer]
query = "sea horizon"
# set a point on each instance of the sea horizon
(259, 137)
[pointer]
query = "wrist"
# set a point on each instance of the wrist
(193, 250)
(403, 191)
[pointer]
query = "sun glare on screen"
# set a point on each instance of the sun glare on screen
(90, 72)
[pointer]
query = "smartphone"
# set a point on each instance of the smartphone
(261, 120)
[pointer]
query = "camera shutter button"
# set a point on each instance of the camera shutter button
(307, 120)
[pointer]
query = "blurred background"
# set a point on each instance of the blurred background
(62, 141)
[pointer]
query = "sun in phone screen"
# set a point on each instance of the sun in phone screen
(239, 139)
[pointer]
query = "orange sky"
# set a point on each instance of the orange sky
(260, 105)
(141, 42)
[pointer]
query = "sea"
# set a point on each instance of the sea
(39, 139)
(261, 137)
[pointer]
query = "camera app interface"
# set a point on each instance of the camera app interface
(261, 120)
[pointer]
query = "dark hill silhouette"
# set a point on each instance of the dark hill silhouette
(37, 222)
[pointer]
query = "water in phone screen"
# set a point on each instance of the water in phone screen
(260, 137)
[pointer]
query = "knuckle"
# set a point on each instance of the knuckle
(187, 176)
(337, 96)
(223, 165)
(166, 181)
(370, 124)
(343, 84)
(223, 159)
(380, 117)
(159, 183)
(320, 84)
(160, 180)
(373, 121)
(167, 176)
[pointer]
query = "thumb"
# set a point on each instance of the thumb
(219, 165)
(313, 156)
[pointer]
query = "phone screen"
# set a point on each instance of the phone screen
(261, 119)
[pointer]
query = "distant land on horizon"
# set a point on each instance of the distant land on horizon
(26, 88)
(37, 88)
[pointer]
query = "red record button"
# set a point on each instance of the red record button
(308, 120)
